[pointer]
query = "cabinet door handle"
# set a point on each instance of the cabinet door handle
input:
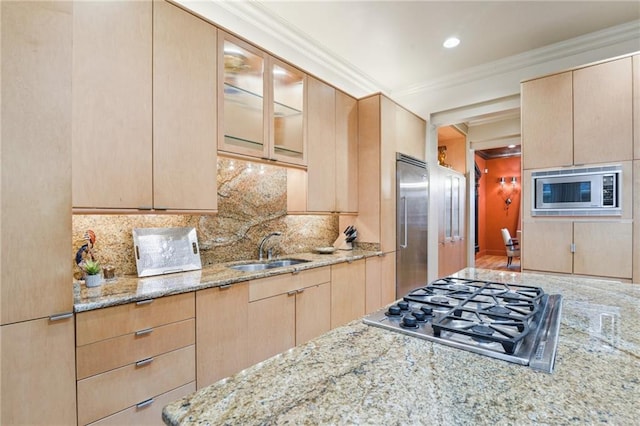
(292, 293)
(300, 291)
(144, 332)
(145, 208)
(58, 317)
(145, 403)
(224, 287)
(144, 362)
(144, 302)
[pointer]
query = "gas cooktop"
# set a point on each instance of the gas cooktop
(512, 322)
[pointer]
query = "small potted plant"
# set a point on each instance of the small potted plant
(92, 271)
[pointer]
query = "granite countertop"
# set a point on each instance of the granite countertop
(127, 289)
(357, 374)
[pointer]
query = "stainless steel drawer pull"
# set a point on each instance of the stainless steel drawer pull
(291, 293)
(144, 302)
(58, 317)
(145, 403)
(144, 332)
(224, 286)
(300, 291)
(144, 362)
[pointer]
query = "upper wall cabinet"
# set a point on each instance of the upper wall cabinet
(261, 104)
(135, 147)
(331, 183)
(112, 101)
(547, 121)
(184, 110)
(579, 117)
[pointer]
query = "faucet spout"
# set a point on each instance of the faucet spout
(264, 240)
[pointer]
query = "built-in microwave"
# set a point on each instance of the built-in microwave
(592, 191)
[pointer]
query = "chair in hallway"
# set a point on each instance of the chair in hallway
(512, 246)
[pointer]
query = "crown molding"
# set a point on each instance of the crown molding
(257, 15)
(252, 20)
(599, 39)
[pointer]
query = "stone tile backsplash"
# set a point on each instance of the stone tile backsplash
(252, 202)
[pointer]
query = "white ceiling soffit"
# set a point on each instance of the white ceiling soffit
(311, 47)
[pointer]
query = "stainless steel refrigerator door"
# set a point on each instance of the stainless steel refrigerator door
(411, 229)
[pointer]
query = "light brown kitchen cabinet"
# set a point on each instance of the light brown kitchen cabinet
(128, 356)
(38, 373)
(602, 112)
(636, 221)
(346, 153)
(547, 121)
(242, 109)
(380, 281)
(313, 312)
(578, 117)
(378, 134)
(548, 246)
(184, 110)
(348, 292)
(636, 107)
(148, 414)
(138, 67)
(261, 104)
(411, 134)
(221, 332)
(37, 334)
(321, 137)
(599, 248)
(331, 182)
(273, 326)
(112, 104)
(287, 310)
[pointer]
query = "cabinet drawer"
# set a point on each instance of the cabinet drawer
(101, 324)
(144, 413)
(116, 390)
(112, 353)
(272, 286)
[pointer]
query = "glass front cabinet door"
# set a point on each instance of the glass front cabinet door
(287, 113)
(261, 107)
(242, 104)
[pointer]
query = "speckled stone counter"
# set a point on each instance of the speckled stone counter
(127, 289)
(359, 374)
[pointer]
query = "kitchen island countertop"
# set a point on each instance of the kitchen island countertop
(358, 374)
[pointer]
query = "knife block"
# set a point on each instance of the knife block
(341, 243)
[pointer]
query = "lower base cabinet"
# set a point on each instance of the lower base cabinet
(221, 332)
(380, 278)
(148, 413)
(130, 357)
(348, 292)
(38, 379)
(288, 310)
(601, 249)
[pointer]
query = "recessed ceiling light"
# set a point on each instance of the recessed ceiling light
(451, 42)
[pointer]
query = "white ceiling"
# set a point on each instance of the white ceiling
(395, 47)
(399, 44)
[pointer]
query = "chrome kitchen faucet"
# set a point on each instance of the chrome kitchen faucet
(264, 240)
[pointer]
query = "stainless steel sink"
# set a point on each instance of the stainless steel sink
(260, 266)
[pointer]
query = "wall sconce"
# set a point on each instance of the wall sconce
(507, 193)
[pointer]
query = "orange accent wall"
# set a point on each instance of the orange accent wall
(493, 214)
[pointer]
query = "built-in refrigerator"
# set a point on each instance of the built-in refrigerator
(412, 191)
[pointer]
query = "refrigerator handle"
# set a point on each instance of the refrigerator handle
(405, 224)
